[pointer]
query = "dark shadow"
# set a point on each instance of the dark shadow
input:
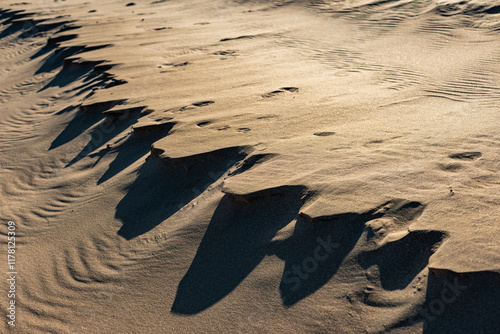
(11, 14)
(52, 43)
(317, 248)
(314, 253)
(29, 27)
(89, 85)
(91, 80)
(11, 29)
(89, 88)
(77, 126)
(72, 72)
(131, 150)
(44, 50)
(6, 14)
(105, 131)
(461, 303)
(493, 10)
(56, 58)
(236, 241)
(44, 26)
(399, 262)
(163, 188)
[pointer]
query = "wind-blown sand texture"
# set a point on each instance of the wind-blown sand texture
(251, 166)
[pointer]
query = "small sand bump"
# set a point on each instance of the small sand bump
(203, 103)
(140, 205)
(450, 167)
(273, 93)
(324, 134)
(204, 123)
(279, 91)
(466, 155)
(237, 38)
(226, 53)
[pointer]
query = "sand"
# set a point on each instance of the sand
(250, 166)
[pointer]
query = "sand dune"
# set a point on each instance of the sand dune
(251, 166)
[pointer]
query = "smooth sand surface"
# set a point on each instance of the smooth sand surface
(251, 166)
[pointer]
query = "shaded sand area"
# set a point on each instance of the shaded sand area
(251, 166)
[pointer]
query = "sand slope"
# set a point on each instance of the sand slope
(252, 166)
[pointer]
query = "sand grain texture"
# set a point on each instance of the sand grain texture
(252, 166)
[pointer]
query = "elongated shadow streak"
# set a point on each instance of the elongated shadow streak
(163, 188)
(132, 149)
(103, 133)
(399, 262)
(12, 29)
(72, 73)
(314, 253)
(78, 125)
(56, 58)
(235, 242)
(461, 303)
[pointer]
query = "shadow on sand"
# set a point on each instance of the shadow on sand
(78, 125)
(131, 150)
(241, 234)
(399, 262)
(235, 242)
(162, 188)
(461, 303)
(314, 254)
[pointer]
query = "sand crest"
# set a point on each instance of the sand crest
(250, 166)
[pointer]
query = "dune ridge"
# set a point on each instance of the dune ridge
(168, 162)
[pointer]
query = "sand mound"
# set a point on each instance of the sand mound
(251, 166)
